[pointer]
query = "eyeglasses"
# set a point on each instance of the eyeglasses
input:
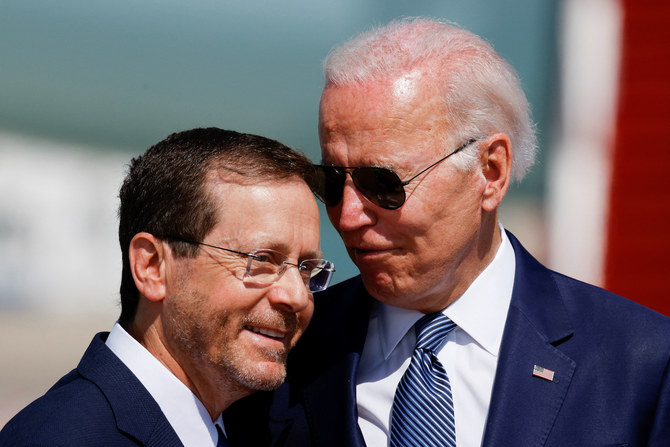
(266, 266)
(380, 186)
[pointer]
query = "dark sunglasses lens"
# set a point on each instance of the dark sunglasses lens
(380, 186)
(329, 184)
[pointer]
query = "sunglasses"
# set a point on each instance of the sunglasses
(380, 186)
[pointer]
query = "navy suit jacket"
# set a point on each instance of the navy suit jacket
(611, 359)
(100, 403)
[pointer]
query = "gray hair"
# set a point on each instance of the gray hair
(482, 92)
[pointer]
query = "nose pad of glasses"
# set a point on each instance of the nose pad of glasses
(380, 186)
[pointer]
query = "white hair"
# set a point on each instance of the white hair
(482, 92)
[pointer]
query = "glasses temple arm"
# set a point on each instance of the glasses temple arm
(458, 149)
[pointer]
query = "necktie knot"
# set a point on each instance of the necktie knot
(431, 330)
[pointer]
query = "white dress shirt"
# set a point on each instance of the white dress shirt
(184, 411)
(469, 354)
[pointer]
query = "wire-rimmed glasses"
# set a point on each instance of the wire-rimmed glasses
(265, 266)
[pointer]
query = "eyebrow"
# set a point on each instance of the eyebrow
(391, 166)
(317, 254)
(314, 255)
(284, 248)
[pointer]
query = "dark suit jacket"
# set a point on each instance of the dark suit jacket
(611, 359)
(101, 403)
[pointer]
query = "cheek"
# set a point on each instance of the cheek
(300, 323)
(334, 215)
(431, 236)
(183, 325)
(443, 215)
(417, 223)
(304, 318)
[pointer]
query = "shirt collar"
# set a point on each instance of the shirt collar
(186, 414)
(481, 311)
(394, 323)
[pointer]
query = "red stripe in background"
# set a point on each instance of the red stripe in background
(638, 242)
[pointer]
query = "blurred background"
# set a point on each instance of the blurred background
(85, 85)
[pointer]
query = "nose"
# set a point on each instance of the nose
(354, 210)
(290, 293)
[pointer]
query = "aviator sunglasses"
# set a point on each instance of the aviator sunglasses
(380, 186)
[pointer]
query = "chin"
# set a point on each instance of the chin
(380, 285)
(262, 374)
(265, 377)
(394, 293)
(254, 371)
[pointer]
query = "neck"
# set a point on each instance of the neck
(216, 395)
(479, 255)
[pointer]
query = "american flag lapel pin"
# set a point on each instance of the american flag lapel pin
(543, 373)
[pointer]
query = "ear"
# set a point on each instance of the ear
(497, 168)
(147, 264)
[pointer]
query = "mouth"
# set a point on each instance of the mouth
(369, 252)
(273, 334)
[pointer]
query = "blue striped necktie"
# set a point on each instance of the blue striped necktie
(423, 409)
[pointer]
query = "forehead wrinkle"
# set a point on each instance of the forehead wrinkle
(391, 123)
(370, 145)
(256, 239)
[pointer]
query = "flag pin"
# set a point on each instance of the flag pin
(543, 373)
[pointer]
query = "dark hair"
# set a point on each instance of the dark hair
(164, 190)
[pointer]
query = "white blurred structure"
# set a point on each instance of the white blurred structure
(579, 167)
(60, 264)
(58, 227)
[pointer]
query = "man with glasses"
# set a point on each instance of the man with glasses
(452, 334)
(219, 233)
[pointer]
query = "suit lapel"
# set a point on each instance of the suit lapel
(335, 389)
(341, 342)
(523, 406)
(137, 413)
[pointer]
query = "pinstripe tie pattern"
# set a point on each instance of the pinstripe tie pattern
(423, 409)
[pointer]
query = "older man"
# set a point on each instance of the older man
(220, 239)
(453, 334)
